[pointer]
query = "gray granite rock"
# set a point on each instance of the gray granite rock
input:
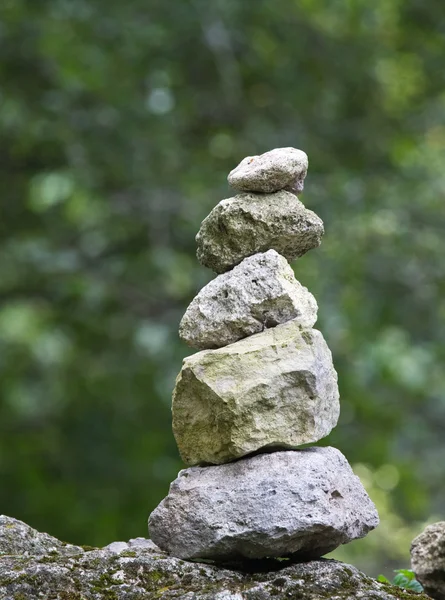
(301, 503)
(278, 169)
(259, 293)
(17, 538)
(428, 559)
(144, 572)
(250, 223)
(276, 389)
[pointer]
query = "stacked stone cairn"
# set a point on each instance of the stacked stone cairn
(262, 385)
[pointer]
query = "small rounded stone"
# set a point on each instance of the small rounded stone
(278, 169)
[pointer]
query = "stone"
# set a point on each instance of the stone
(259, 293)
(428, 559)
(276, 389)
(145, 571)
(278, 169)
(250, 223)
(300, 503)
(116, 547)
(17, 538)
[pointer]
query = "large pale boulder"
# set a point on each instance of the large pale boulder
(259, 293)
(140, 570)
(301, 503)
(250, 223)
(428, 559)
(278, 169)
(276, 389)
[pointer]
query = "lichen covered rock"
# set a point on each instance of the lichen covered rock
(17, 538)
(278, 169)
(428, 559)
(141, 571)
(261, 292)
(250, 223)
(276, 389)
(301, 503)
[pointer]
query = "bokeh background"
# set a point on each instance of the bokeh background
(119, 122)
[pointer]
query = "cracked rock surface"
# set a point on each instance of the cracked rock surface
(250, 223)
(301, 503)
(428, 559)
(139, 570)
(261, 292)
(278, 169)
(275, 389)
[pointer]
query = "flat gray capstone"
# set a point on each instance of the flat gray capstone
(302, 503)
(250, 223)
(428, 559)
(259, 293)
(276, 389)
(278, 169)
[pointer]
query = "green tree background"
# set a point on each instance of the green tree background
(119, 122)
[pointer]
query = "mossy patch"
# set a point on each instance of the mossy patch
(128, 554)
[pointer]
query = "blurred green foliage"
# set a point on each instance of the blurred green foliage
(119, 122)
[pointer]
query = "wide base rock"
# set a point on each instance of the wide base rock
(276, 389)
(259, 293)
(428, 559)
(250, 223)
(301, 503)
(138, 570)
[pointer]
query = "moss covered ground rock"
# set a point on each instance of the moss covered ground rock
(138, 570)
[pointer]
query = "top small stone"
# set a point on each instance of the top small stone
(279, 169)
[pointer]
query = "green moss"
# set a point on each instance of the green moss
(95, 563)
(64, 595)
(128, 553)
(102, 586)
(308, 337)
(402, 594)
(49, 559)
(153, 580)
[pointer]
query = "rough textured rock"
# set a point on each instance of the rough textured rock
(141, 571)
(18, 538)
(278, 169)
(249, 223)
(275, 389)
(300, 503)
(428, 559)
(259, 293)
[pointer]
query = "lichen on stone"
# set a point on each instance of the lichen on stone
(144, 572)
